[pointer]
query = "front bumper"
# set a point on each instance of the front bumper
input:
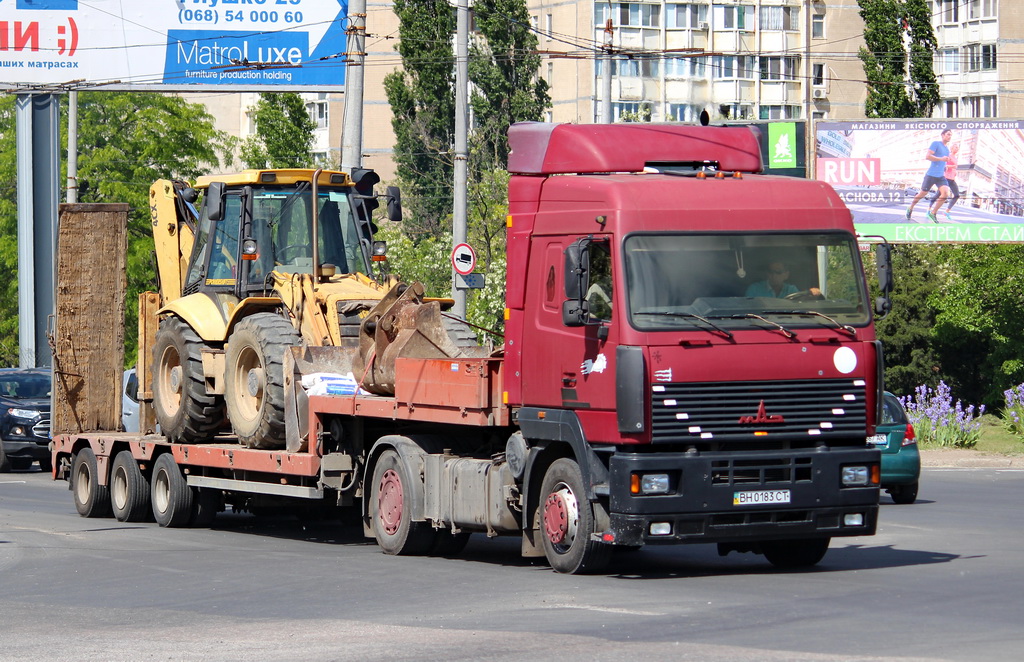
(35, 449)
(701, 508)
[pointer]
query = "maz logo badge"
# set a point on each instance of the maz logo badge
(762, 417)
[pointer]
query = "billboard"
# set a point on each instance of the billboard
(229, 45)
(878, 167)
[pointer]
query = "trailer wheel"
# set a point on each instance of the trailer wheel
(567, 522)
(91, 498)
(389, 510)
(184, 410)
(129, 489)
(795, 553)
(171, 495)
(254, 389)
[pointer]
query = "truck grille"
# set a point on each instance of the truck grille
(785, 414)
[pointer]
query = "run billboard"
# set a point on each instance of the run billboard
(893, 173)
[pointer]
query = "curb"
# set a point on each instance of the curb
(954, 458)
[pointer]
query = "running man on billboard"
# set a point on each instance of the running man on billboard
(937, 154)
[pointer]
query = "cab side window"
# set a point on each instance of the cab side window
(599, 294)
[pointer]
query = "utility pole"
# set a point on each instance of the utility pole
(72, 192)
(606, 74)
(459, 222)
(352, 125)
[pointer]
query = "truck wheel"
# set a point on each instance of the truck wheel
(904, 494)
(795, 553)
(567, 522)
(390, 515)
(91, 498)
(46, 464)
(184, 410)
(449, 544)
(254, 389)
(171, 495)
(129, 489)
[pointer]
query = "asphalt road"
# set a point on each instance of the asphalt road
(941, 581)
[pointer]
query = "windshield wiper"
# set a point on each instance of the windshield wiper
(786, 332)
(689, 316)
(845, 328)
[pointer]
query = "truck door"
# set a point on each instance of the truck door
(570, 366)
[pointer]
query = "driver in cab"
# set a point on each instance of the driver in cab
(775, 284)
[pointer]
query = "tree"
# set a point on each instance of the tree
(978, 335)
(906, 333)
(126, 142)
(422, 102)
(284, 133)
(899, 46)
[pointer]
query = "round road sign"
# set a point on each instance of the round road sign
(464, 259)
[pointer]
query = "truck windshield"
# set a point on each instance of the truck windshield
(282, 227)
(681, 281)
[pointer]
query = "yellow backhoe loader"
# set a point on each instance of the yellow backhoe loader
(274, 259)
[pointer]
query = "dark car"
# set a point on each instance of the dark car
(901, 461)
(24, 418)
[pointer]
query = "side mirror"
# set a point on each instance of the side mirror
(215, 201)
(394, 197)
(883, 261)
(577, 268)
(575, 312)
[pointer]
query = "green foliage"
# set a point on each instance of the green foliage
(422, 100)
(284, 133)
(126, 142)
(978, 332)
(900, 43)
(503, 66)
(1013, 410)
(906, 332)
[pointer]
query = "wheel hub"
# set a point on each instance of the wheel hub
(255, 381)
(390, 502)
(556, 518)
(174, 378)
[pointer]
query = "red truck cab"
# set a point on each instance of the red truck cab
(706, 398)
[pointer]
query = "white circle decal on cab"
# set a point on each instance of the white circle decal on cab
(845, 360)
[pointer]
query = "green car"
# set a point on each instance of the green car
(901, 462)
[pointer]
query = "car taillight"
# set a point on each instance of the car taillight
(909, 436)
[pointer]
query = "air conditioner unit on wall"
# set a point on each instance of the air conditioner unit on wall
(703, 25)
(819, 93)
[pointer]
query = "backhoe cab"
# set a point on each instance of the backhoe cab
(273, 259)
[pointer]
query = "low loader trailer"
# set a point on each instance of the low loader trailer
(649, 389)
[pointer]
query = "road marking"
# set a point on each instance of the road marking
(609, 610)
(12, 482)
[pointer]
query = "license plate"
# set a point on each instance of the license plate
(760, 497)
(878, 439)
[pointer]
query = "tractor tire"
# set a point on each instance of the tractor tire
(254, 388)
(185, 411)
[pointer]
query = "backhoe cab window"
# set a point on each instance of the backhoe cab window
(793, 279)
(282, 227)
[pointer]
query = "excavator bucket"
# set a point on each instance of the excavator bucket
(402, 325)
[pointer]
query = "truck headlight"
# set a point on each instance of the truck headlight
(649, 483)
(855, 475)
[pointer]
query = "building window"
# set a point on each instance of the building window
(628, 14)
(684, 67)
(981, 9)
(735, 18)
(948, 61)
(980, 57)
(736, 111)
(643, 67)
(980, 106)
(778, 68)
(551, 71)
(318, 113)
(818, 26)
(780, 18)
(950, 10)
(818, 74)
(732, 66)
(631, 111)
(950, 108)
(780, 112)
(682, 112)
(685, 15)
(549, 24)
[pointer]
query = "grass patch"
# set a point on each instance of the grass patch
(995, 438)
